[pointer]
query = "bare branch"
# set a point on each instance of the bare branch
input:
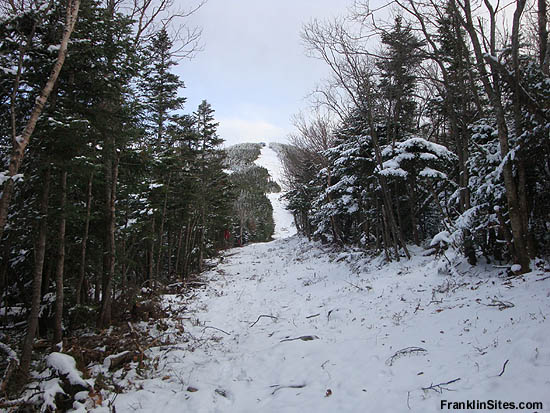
(438, 388)
(260, 316)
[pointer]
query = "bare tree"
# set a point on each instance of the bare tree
(151, 16)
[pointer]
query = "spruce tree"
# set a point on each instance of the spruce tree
(401, 57)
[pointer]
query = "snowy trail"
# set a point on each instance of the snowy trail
(243, 351)
(359, 316)
(284, 222)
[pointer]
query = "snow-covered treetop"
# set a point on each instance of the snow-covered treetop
(417, 156)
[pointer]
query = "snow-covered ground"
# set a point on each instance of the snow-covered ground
(289, 326)
(284, 222)
(245, 354)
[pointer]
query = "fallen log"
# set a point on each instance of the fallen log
(114, 361)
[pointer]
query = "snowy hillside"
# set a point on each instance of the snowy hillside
(289, 326)
(284, 222)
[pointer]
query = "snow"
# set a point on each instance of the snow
(65, 365)
(284, 221)
(54, 48)
(107, 360)
(286, 326)
(8, 71)
(442, 238)
(4, 176)
(17, 177)
(49, 389)
(11, 355)
(13, 311)
(431, 173)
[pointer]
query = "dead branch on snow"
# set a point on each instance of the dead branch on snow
(438, 388)
(261, 316)
(405, 351)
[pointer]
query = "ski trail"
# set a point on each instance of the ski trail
(284, 221)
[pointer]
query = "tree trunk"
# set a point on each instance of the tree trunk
(39, 254)
(412, 205)
(151, 254)
(390, 219)
(542, 14)
(333, 221)
(161, 229)
(60, 267)
(519, 233)
(386, 233)
(202, 237)
(187, 248)
(21, 142)
(170, 254)
(105, 316)
(178, 253)
(82, 270)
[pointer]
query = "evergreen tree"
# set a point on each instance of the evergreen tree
(398, 78)
(212, 202)
(160, 86)
(347, 198)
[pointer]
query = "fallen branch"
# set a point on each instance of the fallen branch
(503, 368)
(314, 315)
(216, 328)
(291, 386)
(4, 404)
(438, 388)
(404, 351)
(368, 287)
(135, 334)
(260, 316)
(303, 338)
(114, 361)
(502, 305)
(353, 285)
(13, 365)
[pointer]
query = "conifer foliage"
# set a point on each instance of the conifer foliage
(120, 191)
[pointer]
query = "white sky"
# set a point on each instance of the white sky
(253, 70)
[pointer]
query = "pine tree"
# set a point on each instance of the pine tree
(210, 177)
(346, 200)
(160, 86)
(398, 79)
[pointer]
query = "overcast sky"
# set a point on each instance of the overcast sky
(253, 69)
